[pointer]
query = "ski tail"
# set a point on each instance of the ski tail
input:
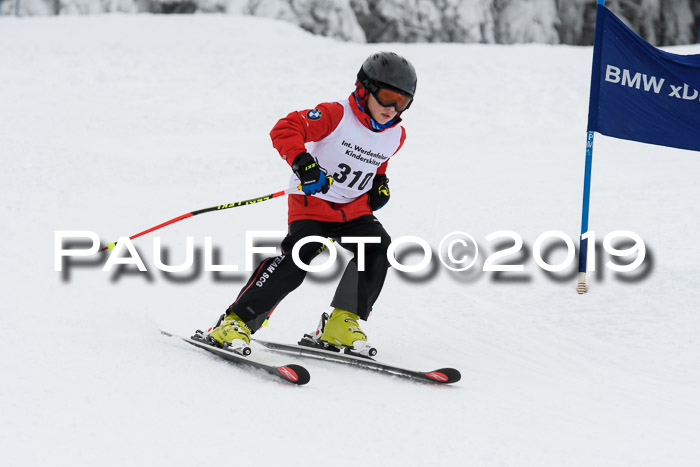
(444, 375)
(295, 374)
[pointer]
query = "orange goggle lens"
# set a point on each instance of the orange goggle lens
(389, 98)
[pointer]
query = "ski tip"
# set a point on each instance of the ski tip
(444, 375)
(295, 374)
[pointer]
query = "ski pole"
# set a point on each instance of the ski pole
(220, 207)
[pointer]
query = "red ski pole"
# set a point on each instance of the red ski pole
(220, 207)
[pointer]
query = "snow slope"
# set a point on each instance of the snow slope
(116, 123)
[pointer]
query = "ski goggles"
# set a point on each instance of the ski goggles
(388, 98)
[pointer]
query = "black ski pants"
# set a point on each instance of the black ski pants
(277, 276)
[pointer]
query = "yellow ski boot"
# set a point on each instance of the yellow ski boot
(232, 333)
(342, 330)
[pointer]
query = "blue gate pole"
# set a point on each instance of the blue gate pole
(592, 124)
(583, 242)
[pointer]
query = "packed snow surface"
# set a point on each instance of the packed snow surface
(114, 124)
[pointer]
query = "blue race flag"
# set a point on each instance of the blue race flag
(639, 92)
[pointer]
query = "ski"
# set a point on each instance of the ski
(294, 374)
(441, 376)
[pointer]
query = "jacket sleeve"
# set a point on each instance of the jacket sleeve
(291, 133)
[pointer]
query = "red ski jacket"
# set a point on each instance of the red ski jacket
(289, 136)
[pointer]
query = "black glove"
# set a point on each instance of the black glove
(312, 176)
(379, 194)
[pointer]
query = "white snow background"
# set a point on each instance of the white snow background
(117, 123)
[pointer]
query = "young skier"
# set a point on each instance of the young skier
(338, 153)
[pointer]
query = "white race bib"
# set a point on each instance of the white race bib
(352, 153)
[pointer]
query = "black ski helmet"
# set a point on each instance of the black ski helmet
(387, 69)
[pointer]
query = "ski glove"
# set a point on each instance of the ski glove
(380, 193)
(312, 176)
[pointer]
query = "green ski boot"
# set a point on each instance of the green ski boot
(342, 330)
(232, 333)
